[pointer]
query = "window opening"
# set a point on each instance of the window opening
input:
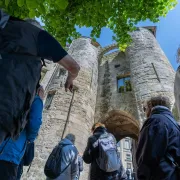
(128, 157)
(49, 99)
(124, 84)
(43, 73)
(117, 65)
(128, 165)
(61, 72)
(126, 144)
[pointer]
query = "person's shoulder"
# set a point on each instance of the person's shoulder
(92, 138)
(156, 118)
(157, 123)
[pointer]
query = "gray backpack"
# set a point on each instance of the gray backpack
(109, 159)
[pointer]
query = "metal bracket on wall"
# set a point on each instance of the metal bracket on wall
(155, 72)
(75, 89)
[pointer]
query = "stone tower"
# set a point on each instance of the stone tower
(67, 112)
(112, 87)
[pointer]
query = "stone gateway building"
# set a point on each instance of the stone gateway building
(111, 88)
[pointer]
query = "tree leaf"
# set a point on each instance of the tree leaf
(32, 14)
(42, 9)
(31, 4)
(20, 3)
(62, 4)
(7, 2)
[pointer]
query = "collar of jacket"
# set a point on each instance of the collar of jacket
(159, 109)
(156, 110)
(100, 130)
(66, 141)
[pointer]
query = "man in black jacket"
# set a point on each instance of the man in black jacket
(91, 154)
(159, 142)
(22, 46)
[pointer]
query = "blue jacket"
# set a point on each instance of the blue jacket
(13, 151)
(158, 137)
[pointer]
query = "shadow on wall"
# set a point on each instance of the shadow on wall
(121, 124)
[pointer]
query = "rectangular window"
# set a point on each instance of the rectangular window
(117, 65)
(43, 73)
(61, 72)
(128, 157)
(49, 99)
(124, 84)
(126, 144)
(128, 165)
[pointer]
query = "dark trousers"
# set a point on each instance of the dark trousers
(20, 170)
(3, 135)
(8, 170)
(109, 176)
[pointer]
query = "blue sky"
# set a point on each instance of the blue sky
(168, 34)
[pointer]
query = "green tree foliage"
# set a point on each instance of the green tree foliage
(121, 89)
(126, 88)
(61, 16)
(128, 85)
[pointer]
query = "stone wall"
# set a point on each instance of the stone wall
(151, 72)
(82, 112)
(108, 97)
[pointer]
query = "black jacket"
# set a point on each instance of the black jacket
(20, 69)
(91, 154)
(158, 137)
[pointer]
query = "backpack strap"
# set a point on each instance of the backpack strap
(70, 160)
(168, 156)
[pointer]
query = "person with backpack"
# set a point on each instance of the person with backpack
(12, 151)
(101, 152)
(62, 164)
(158, 151)
(128, 174)
(23, 47)
(80, 165)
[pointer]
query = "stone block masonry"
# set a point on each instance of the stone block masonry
(151, 72)
(98, 97)
(82, 112)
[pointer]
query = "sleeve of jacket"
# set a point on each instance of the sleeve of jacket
(152, 146)
(88, 154)
(74, 167)
(80, 163)
(35, 119)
